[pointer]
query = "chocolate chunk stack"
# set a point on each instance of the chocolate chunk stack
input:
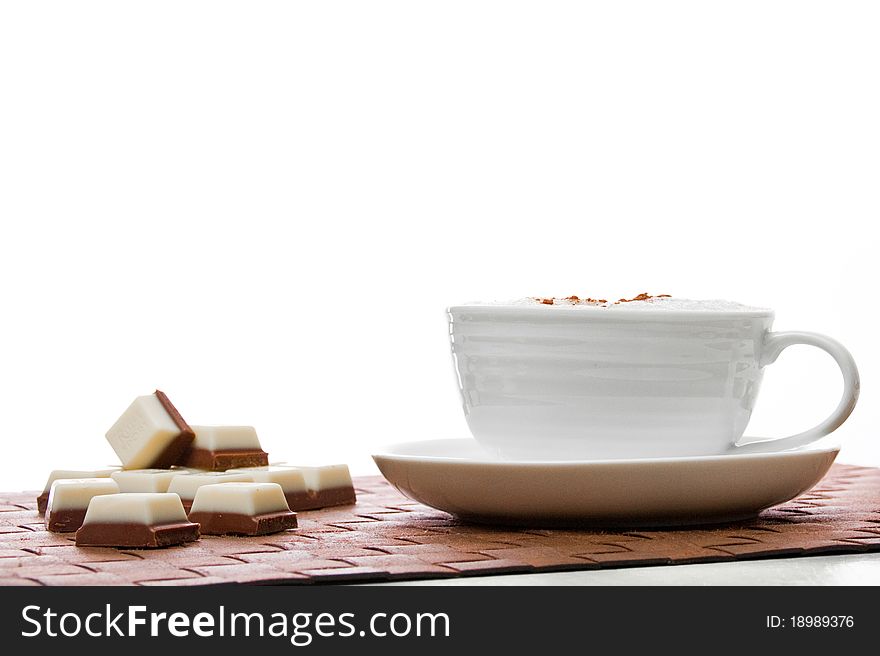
(176, 478)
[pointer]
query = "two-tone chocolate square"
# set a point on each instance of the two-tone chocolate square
(69, 500)
(327, 485)
(218, 448)
(291, 480)
(150, 434)
(241, 509)
(188, 482)
(137, 520)
(145, 480)
(57, 474)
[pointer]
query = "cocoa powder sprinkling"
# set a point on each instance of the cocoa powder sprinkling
(644, 296)
(599, 302)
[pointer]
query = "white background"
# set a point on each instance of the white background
(264, 208)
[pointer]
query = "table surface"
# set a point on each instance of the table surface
(848, 569)
(388, 537)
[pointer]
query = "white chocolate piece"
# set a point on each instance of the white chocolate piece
(240, 498)
(185, 485)
(290, 479)
(325, 477)
(142, 433)
(145, 480)
(58, 474)
(75, 493)
(148, 508)
(222, 438)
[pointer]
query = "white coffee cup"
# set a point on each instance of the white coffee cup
(553, 383)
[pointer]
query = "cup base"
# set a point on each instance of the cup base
(569, 450)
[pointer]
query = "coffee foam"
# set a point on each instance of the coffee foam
(671, 304)
(687, 305)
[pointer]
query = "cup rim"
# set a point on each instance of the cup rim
(607, 314)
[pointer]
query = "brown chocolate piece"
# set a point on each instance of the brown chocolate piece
(65, 521)
(212, 523)
(300, 500)
(337, 496)
(176, 451)
(43, 502)
(312, 500)
(221, 460)
(136, 536)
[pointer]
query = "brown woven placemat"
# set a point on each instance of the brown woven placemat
(387, 536)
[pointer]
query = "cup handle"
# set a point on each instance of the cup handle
(774, 344)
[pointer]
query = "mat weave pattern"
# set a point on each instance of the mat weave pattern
(385, 536)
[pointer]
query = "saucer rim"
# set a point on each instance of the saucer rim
(389, 451)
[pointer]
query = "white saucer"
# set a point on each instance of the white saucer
(458, 477)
